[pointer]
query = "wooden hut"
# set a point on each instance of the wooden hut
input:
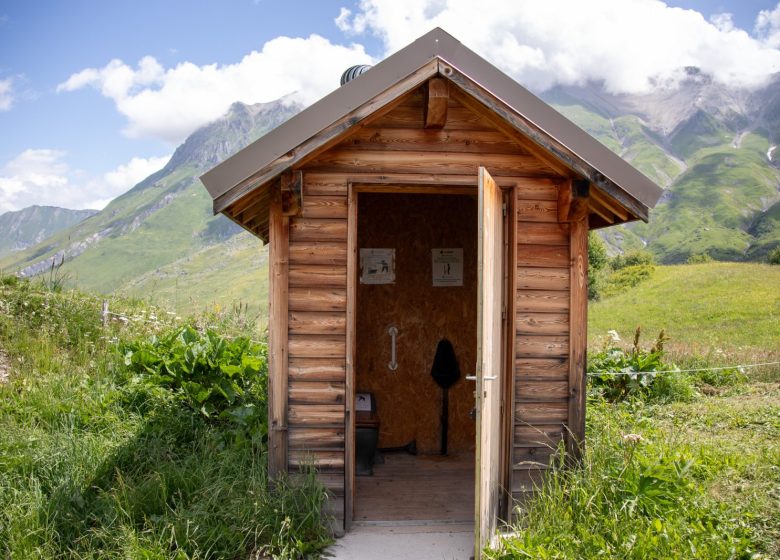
(434, 196)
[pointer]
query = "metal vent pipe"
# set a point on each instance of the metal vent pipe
(353, 72)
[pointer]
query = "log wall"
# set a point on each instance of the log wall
(395, 149)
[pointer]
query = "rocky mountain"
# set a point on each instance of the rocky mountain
(710, 146)
(164, 221)
(27, 227)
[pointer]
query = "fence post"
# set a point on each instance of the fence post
(104, 313)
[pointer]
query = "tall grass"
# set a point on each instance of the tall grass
(645, 491)
(97, 463)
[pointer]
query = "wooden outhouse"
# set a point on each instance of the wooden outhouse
(430, 197)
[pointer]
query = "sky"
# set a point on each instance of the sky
(96, 95)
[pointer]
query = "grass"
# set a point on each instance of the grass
(97, 463)
(681, 480)
(710, 310)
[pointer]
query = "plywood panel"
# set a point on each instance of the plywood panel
(408, 400)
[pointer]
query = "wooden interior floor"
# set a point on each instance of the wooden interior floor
(428, 488)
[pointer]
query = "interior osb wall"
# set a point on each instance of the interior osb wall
(408, 399)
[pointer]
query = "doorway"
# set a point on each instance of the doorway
(427, 293)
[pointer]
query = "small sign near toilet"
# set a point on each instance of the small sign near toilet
(363, 402)
(377, 266)
(447, 266)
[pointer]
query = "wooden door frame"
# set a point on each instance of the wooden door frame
(389, 185)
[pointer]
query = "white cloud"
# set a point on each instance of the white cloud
(632, 45)
(171, 103)
(768, 27)
(42, 176)
(6, 94)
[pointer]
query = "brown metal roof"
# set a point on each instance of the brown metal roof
(275, 152)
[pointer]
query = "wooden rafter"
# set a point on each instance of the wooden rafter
(436, 100)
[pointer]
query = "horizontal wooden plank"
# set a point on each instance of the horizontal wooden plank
(322, 460)
(317, 276)
(316, 346)
(323, 184)
(316, 392)
(317, 299)
(538, 436)
(325, 207)
(542, 323)
(543, 233)
(541, 413)
(318, 229)
(542, 368)
(316, 438)
(542, 346)
(333, 482)
(438, 140)
(537, 190)
(317, 369)
(319, 252)
(542, 301)
(526, 481)
(544, 391)
(321, 415)
(405, 116)
(377, 161)
(555, 256)
(312, 322)
(532, 278)
(537, 211)
(532, 457)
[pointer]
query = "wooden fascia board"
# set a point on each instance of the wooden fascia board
(326, 138)
(544, 141)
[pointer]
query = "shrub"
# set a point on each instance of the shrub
(618, 374)
(597, 260)
(774, 256)
(700, 258)
(223, 380)
(632, 258)
(626, 277)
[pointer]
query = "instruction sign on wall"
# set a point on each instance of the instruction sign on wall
(447, 265)
(377, 266)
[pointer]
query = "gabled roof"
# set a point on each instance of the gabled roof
(435, 53)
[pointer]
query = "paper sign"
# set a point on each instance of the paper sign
(447, 265)
(377, 266)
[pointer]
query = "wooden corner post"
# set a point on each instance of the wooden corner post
(279, 233)
(577, 216)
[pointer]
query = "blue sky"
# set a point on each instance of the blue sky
(95, 95)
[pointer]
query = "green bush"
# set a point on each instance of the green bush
(597, 260)
(632, 258)
(774, 256)
(617, 374)
(223, 380)
(626, 277)
(700, 258)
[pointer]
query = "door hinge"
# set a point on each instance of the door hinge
(503, 312)
(503, 209)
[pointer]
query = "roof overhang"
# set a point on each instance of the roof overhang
(436, 53)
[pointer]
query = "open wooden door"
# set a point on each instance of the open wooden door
(489, 361)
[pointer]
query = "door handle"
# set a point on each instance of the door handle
(486, 378)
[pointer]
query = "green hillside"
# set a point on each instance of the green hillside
(31, 225)
(704, 308)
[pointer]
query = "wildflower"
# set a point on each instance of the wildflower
(632, 438)
(613, 335)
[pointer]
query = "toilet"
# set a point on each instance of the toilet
(366, 433)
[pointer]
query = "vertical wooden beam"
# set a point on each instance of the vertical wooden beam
(349, 417)
(578, 323)
(510, 338)
(279, 250)
(437, 97)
